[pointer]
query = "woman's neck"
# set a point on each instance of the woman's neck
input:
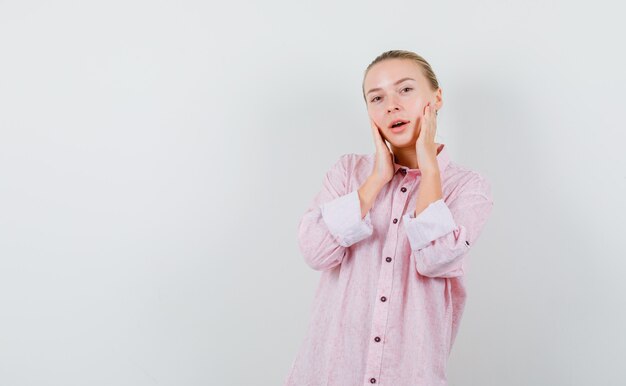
(408, 156)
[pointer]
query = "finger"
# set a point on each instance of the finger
(374, 128)
(428, 123)
(380, 136)
(426, 117)
(378, 140)
(384, 142)
(432, 124)
(431, 121)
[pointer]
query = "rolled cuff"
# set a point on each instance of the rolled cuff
(343, 219)
(433, 222)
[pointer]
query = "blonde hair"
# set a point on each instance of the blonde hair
(402, 54)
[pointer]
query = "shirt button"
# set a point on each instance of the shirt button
(403, 171)
(388, 259)
(395, 220)
(372, 380)
(377, 339)
(384, 299)
(403, 189)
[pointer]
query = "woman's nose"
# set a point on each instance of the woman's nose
(393, 105)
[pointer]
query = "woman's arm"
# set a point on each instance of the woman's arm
(429, 190)
(334, 219)
(442, 234)
(368, 193)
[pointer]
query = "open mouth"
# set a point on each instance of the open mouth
(398, 126)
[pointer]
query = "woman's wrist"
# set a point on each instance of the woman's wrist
(368, 193)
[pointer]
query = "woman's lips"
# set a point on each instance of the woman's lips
(399, 128)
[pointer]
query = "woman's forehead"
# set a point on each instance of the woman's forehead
(391, 72)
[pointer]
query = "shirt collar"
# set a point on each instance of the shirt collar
(443, 159)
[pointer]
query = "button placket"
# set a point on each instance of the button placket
(385, 285)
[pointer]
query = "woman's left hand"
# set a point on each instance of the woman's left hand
(425, 145)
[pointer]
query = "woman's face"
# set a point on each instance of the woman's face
(397, 89)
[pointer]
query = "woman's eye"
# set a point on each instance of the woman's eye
(406, 88)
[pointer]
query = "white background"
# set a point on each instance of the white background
(156, 157)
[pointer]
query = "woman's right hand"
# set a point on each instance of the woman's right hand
(383, 167)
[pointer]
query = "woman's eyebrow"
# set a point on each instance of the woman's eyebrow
(397, 82)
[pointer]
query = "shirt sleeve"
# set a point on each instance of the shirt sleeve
(442, 234)
(333, 221)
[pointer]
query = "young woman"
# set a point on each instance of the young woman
(390, 233)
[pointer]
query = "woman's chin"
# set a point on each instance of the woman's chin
(401, 139)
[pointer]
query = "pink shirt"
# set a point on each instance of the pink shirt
(391, 293)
